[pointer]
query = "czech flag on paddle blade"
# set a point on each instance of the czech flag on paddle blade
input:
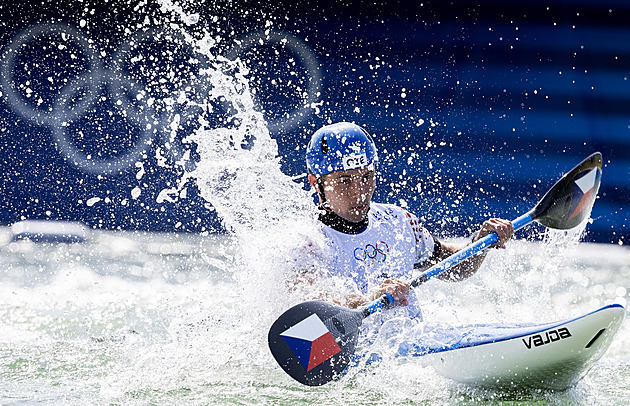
(583, 193)
(311, 342)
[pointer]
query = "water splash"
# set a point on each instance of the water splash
(233, 162)
(238, 170)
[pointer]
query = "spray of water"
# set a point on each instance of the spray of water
(236, 169)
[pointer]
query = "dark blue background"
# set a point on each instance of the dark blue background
(500, 98)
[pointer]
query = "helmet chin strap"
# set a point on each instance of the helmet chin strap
(323, 202)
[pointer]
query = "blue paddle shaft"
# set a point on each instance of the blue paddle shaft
(451, 261)
(385, 300)
(468, 252)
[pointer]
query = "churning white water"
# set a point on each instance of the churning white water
(153, 318)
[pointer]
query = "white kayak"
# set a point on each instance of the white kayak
(549, 356)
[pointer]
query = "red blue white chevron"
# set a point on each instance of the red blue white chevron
(311, 342)
(583, 193)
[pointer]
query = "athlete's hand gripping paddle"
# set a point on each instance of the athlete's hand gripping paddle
(314, 341)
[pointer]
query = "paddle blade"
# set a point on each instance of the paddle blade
(314, 341)
(570, 200)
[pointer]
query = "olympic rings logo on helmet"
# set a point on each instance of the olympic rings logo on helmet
(372, 253)
(129, 97)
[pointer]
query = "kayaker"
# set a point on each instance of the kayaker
(371, 247)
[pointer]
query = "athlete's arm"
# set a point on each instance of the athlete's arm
(467, 268)
(395, 287)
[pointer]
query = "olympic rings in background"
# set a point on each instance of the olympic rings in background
(372, 253)
(78, 95)
(15, 99)
(85, 161)
(304, 54)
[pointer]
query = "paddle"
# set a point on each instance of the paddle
(314, 341)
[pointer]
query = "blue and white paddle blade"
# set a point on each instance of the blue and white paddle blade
(314, 341)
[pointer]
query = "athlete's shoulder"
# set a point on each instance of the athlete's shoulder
(412, 218)
(422, 234)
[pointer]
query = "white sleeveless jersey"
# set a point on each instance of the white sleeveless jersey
(388, 247)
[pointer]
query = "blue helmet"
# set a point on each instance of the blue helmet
(340, 147)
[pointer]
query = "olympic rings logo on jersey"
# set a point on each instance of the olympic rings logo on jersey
(372, 253)
(80, 80)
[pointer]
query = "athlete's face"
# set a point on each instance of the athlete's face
(349, 193)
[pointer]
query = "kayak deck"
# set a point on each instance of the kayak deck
(549, 356)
